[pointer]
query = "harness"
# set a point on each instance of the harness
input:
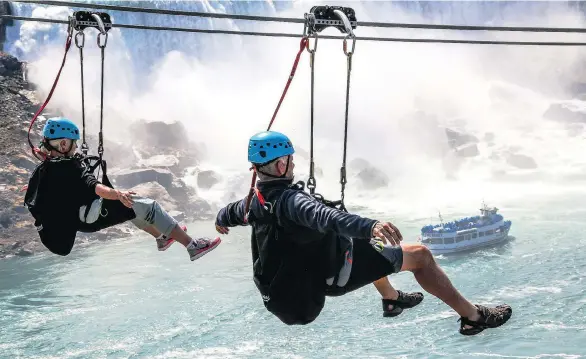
(318, 19)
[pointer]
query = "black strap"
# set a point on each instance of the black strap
(80, 42)
(311, 182)
(102, 47)
(349, 54)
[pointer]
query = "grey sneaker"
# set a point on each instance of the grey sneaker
(165, 242)
(204, 246)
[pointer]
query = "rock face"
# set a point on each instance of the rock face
(128, 178)
(521, 161)
(369, 176)
(150, 162)
(566, 112)
(207, 179)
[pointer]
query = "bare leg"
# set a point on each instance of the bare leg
(419, 260)
(180, 236)
(385, 289)
(152, 231)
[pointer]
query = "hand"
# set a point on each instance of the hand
(388, 233)
(222, 230)
(126, 198)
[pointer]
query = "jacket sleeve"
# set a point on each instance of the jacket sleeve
(232, 215)
(304, 210)
(88, 180)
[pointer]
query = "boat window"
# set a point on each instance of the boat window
(497, 230)
(480, 234)
(436, 241)
(468, 237)
(448, 240)
(460, 239)
(474, 235)
(489, 232)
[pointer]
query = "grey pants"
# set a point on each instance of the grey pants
(150, 213)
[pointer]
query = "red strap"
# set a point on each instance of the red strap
(260, 197)
(302, 46)
(36, 151)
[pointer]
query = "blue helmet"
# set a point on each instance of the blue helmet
(267, 146)
(59, 127)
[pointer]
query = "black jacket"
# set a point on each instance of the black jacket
(296, 244)
(56, 190)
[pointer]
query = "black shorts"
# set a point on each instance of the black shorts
(114, 213)
(368, 265)
(59, 237)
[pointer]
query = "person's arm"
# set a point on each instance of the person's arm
(304, 210)
(91, 183)
(230, 216)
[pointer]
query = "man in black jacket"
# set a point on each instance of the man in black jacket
(303, 250)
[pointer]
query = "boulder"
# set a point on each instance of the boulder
(132, 177)
(372, 178)
(566, 112)
(160, 134)
(358, 164)
(457, 139)
(468, 150)
(521, 161)
(161, 161)
(9, 63)
(155, 191)
(207, 179)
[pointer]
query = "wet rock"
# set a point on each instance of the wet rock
(457, 139)
(569, 112)
(133, 177)
(161, 161)
(468, 150)
(521, 161)
(207, 179)
(160, 134)
(155, 191)
(358, 164)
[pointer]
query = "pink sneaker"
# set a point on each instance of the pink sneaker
(164, 243)
(204, 246)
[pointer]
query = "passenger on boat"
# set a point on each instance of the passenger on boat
(304, 250)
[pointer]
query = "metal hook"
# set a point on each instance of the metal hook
(345, 45)
(345, 20)
(100, 23)
(314, 35)
(105, 37)
(80, 35)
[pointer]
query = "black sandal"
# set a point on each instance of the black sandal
(404, 301)
(489, 318)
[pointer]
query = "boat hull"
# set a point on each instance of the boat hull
(458, 242)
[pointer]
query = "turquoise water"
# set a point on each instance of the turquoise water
(124, 299)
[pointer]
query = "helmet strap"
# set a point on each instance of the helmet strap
(257, 168)
(48, 146)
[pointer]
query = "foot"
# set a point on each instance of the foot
(164, 243)
(392, 308)
(487, 318)
(203, 247)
